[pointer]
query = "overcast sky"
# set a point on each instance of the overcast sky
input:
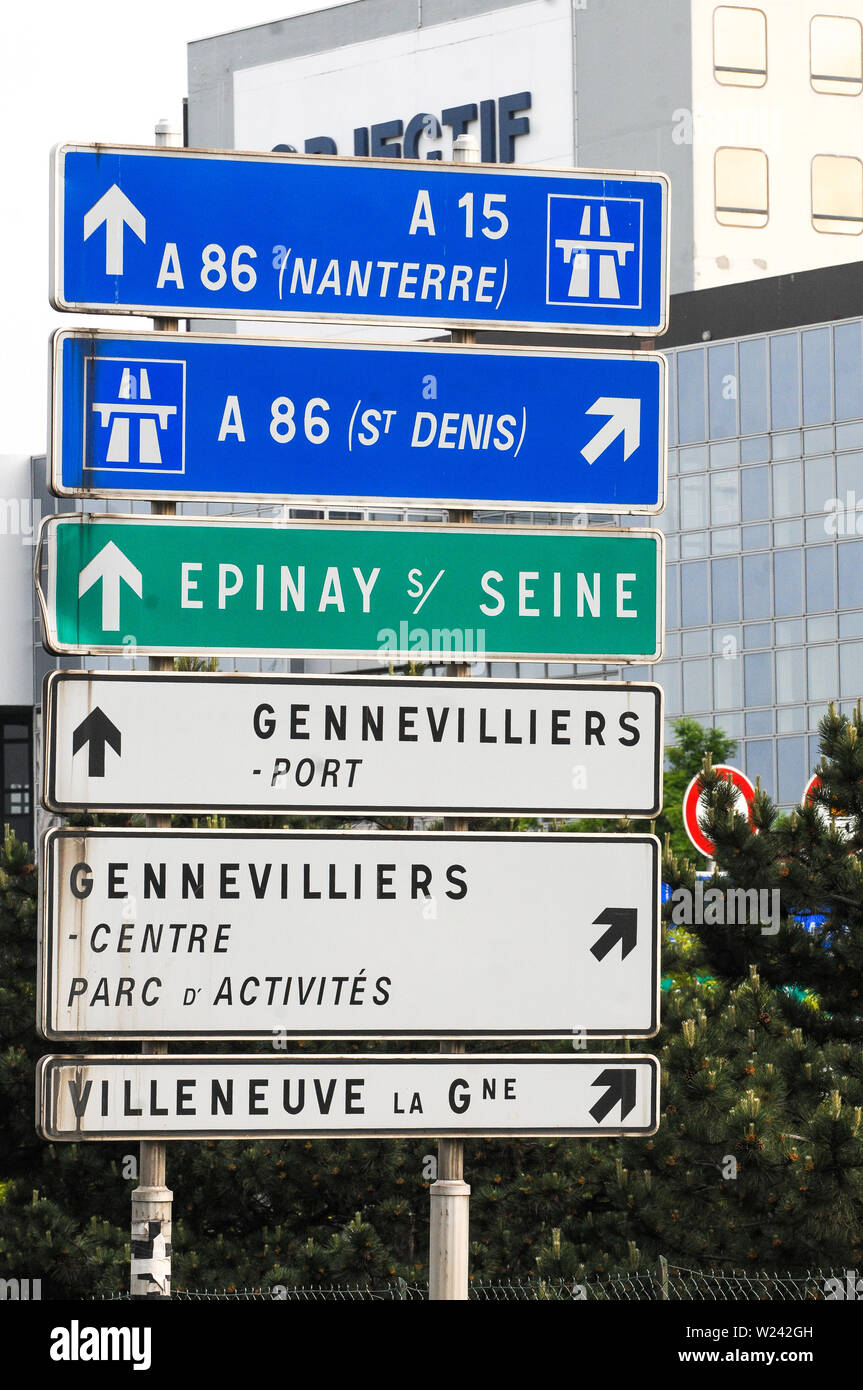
(91, 70)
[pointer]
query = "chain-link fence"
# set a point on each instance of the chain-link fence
(666, 1282)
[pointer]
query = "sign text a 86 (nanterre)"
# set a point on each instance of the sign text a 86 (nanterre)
(215, 234)
(389, 592)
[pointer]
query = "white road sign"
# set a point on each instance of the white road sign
(351, 745)
(213, 1097)
(285, 934)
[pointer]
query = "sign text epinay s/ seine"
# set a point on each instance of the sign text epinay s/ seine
(241, 587)
(217, 234)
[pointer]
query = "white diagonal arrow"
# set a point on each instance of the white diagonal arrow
(625, 412)
(111, 566)
(115, 210)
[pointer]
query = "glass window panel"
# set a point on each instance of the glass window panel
(849, 479)
(755, 493)
(818, 483)
(821, 667)
(726, 640)
(790, 682)
(790, 719)
(697, 692)
(740, 187)
(724, 454)
(672, 608)
(848, 370)
(835, 55)
(690, 396)
(758, 763)
(725, 542)
(693, 460)
(758, 635)
(726, 591)
(851, 624)
(755, 537)
(756, 586)
(818, 441)
(693, 503)
(672, 547)
(726, 683)
(819, 527)
(672, 644)
(814, 751)
(851, 669)
(820, 583)
(759, 721)
(668, 676)
(784, 382)
(788, 634)
(695, 642)
(788, 446)
(849, 436)
(821, 629)
(850, 556)
(837, 195)
(752, 357)
(787, 490)
(817, 390)
(791, 763)
(722, 388)
(755, 450)
(788, 582)
(672, 459)
(725, 498)
(693, 544)
(758, 678)
(693, 594)
(788, 533)
(731, 723)
(739, 46)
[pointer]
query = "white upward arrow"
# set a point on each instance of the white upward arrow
(115, 210)
(625, 412)
(111, 566)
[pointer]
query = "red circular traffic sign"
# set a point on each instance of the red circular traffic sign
(694, 802)
(842, 823)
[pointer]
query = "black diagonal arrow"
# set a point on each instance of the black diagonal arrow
(96, 731)
(621, 1089)
(622, 923)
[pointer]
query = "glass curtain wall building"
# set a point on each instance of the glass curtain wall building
(764, 578)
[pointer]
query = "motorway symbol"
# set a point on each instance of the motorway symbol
(355, 745)
(331, 1096)
(430, 426)
(226, 235)
(246, 587)
(199, 934)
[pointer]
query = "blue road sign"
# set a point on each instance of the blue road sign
(204, 417)
(192, 233)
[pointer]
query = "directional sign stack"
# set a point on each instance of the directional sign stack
(163, 934)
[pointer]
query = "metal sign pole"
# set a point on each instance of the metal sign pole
(449, 1235)
(150, 1266)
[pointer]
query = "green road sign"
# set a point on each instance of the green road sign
(392, 592)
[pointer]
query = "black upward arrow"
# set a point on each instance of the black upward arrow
(97, 731)
(621, 1089)
(622, 923)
